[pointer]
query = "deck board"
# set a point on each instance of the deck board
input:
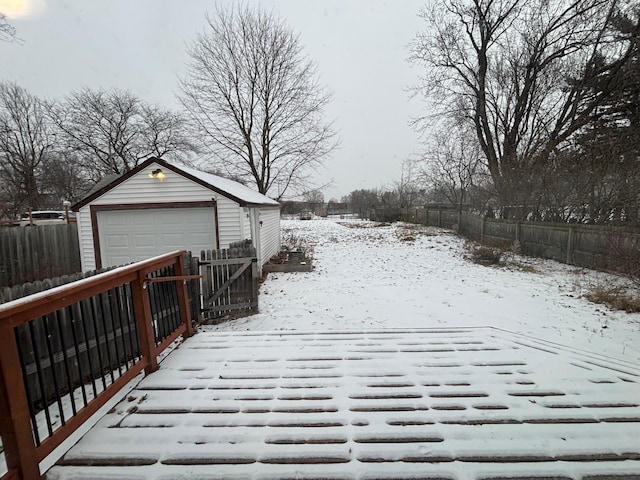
(468, 403)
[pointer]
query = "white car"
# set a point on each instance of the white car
(42, 217)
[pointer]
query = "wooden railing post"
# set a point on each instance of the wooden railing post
(15, 423)
(144, 321)
(183, 297)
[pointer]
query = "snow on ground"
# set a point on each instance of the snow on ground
(356, 396)
(372, 276)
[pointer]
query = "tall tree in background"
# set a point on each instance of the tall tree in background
(611, 146)
(256, 100)
(362, 201)
(522, 74)
(26, 138)
(113, 131)
(453, 165)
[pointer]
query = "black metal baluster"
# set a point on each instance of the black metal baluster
(43, 390)
(112, 312)
(94, 315)
(65, 357)
(119, 305)
(156, 309)
(92, 372)
(131, 319)
(54, 375)
(76, 347)
(25, 379)
(176, 304)
(100, 305)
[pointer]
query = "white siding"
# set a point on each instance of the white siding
(246, 224)
(269, 233)
(229, 214)
(142, 189)
(85, 237)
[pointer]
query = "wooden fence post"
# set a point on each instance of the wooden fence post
(144, 321)
(254, 281)
(183, 297)
(568, 259)
(15, 423)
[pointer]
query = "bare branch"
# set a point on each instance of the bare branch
(256, 102)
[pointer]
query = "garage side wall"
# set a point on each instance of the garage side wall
(174, 188)
(269, 233)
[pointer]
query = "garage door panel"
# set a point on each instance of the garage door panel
(174, 240)
(200, 216)
(172, 218)
(132, 235)
(143, 220)
(199, 238)
(113, 220)
(145, 241)
(117, 241)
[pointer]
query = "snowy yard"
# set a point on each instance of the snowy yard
(395, 358)
(367, 276)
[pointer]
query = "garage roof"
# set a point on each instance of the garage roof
(235, 191)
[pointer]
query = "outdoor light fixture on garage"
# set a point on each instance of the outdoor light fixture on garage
(157, 173)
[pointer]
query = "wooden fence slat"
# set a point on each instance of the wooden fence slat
(31, 253)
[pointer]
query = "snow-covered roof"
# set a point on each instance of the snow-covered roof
(229, 188)
(234, 188)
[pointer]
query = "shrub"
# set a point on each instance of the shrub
(486, 255)
(615, 297)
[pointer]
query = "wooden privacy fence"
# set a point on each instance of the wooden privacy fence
(591, 246)
(66, 351)
(38, 252)
(229, 281)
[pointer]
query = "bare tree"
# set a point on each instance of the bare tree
(362, 201)
(453, 164)
(408, 191)
(26, 138)
(113, 131)
(522, 74)
(256, 100)
(7, 31)
(63, 177)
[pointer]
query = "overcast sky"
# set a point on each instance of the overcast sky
(360, 47)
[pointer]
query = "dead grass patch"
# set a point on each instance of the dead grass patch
(408, 232)
(364, 224)
(615, 297)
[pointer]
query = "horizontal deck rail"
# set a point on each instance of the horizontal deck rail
(115, 324)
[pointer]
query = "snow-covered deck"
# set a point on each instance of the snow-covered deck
(463, 403)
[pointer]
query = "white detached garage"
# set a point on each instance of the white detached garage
(160, 207)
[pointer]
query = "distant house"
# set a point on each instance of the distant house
(160, 207)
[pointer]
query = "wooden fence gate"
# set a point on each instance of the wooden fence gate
(229, 281)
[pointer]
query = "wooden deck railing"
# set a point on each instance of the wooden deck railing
(115, 324)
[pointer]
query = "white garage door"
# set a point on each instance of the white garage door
(131, 235)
